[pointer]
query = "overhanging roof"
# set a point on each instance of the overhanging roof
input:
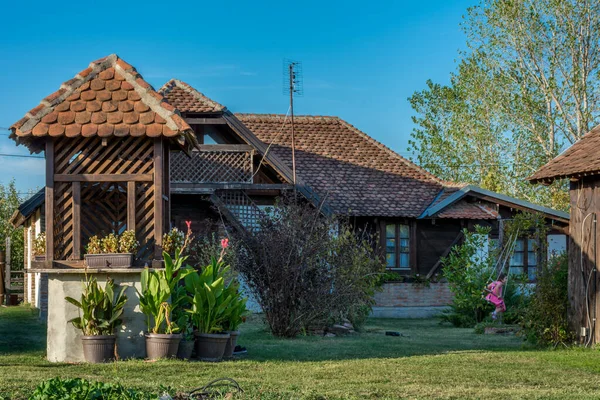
(490, 196)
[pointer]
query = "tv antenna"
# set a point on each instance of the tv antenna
(292, 85)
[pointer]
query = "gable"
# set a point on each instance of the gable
(109, 98)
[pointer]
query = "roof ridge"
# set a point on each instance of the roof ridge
(168, 87)
(154, 100)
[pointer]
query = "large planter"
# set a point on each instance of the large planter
(115, 260)
(98, 349)
(211, 346)
(186, 347)
(231, 343)
(160, 345)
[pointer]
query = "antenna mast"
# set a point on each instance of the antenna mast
(292, 72)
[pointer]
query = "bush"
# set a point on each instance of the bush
(545, 321)
(81, 389)
(468, 270)
(305, 269)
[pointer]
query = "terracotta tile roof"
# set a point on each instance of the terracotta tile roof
(464, 209)
(581, 158)
(356, 174)
(187, 99)
(109, 98)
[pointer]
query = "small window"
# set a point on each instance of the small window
(524, 258)
(397, 246)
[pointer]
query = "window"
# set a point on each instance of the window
(397, 246)
(524, 258)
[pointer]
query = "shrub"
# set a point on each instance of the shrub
(128, 242)
(110, 244)
(467, 270)
(172, 240)
(94, 246)
(302, 273)
(81, 389)
(545, 321)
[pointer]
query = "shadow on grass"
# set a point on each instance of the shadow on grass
(22, 334)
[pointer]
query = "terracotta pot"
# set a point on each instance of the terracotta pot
(211, 346)
(160, 345)
(231, 343)
(98, 349)
(186, 347)
(117, 260)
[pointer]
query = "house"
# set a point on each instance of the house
(152, 160)
(581, 165)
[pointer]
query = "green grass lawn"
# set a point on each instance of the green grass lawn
(431, 361)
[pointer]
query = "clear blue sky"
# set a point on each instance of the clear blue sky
(361, 60)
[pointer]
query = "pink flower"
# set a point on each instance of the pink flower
(225, 243)
(189, 225)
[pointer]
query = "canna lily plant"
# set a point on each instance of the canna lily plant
(161, 294)
(210, 297)
(100, 309)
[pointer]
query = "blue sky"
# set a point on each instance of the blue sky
(361, 61)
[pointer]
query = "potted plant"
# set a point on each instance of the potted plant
(100, 311)
(209, 307)
(173, 240)
(235, 316)
(186, 346)
(158, 301)
(111, 251)
(39, 247)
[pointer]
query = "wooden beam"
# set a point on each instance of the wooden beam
(104, 178)
(206, 121)
(444, 254)
(158, 199)
(76, 187)
(198, 188)
(131, 206)
(225, 147)
(167, 191)
(49, 199)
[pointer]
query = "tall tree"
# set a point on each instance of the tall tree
(528, 85)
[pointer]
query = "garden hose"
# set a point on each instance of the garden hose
(211, 389)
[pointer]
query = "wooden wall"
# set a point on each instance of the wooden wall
(583, 257)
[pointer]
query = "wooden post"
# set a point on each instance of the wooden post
(158, 196)
(131, 206)
(7, 267)
(49, 200)
(167, 190)
(76, 187)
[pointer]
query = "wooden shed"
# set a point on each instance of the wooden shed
(581, 165)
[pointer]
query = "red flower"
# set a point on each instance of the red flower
(225, 243)
(189, 225)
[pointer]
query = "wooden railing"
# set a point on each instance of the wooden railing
(213, 164)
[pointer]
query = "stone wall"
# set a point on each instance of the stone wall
(402, 294)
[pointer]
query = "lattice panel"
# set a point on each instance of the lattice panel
(103, 209)
(212, 167)
(242, 206)
(127, 155)
(63, 221)
(144, 219)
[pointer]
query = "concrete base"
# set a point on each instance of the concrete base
(64, 343)
(406, 312)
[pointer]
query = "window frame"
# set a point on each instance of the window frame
(397, 246)
(526, 264)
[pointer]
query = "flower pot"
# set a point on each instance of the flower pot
(117, 260)
(160, 345)
(211, 346)
(98, 349)
(186, 347)
(231, 343)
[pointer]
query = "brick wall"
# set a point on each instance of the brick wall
(408, 295)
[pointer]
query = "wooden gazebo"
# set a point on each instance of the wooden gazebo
(106, 134)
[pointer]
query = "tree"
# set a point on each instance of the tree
(9, 202)
(528, 85)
